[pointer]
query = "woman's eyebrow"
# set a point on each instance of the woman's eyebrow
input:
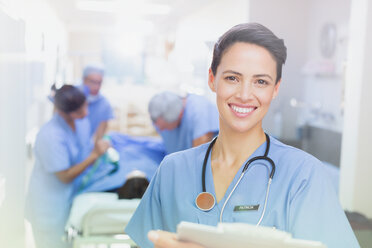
(233, 72)
(262, 75)
(255, 76)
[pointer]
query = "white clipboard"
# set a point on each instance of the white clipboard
(240, 235)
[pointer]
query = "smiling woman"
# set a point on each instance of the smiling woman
(238, 167)
(245, 83)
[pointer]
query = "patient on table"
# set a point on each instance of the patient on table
(94, 212)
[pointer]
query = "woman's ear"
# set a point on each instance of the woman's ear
(276, 88)
(211, 82)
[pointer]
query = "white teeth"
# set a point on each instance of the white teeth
(242, 110)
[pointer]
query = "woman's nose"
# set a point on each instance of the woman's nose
(245, 91)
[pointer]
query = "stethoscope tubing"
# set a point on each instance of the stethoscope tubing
(206, 160)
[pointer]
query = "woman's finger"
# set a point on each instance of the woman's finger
(162, 239)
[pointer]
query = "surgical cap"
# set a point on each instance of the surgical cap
(167, 105)
(93, 68)
(136, 174)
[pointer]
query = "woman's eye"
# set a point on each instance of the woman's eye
(261, 82)
(231, 78)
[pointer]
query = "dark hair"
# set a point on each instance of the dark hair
(133, 188)
(69, 98)
(251, 33)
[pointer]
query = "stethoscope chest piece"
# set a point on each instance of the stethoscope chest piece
(205, 201)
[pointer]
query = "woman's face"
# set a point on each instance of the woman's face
(245, 85)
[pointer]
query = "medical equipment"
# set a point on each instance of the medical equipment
(240, 235)
(205, 201)
(99, 218)
(111, 156)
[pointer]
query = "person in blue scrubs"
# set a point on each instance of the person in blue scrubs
(100, 110)
(183, 122)
(245, 75)
(63, 150)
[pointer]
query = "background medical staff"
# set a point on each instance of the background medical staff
(183, 122)
(245, 74)
(62, 152)
(100, 110)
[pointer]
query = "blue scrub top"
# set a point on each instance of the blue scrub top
(199, 118)
(57, 148)
(99, 110)
(302, 200)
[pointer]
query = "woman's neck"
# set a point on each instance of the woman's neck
(234, 148)
(70, 121)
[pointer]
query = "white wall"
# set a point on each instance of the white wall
(356, 161)
(12, 129)
(84, 48)
(46, 46)
(31, 47)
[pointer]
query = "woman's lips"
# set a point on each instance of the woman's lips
(242, 111)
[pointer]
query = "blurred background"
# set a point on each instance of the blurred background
(151, 45)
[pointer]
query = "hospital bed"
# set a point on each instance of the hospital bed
(98, 219)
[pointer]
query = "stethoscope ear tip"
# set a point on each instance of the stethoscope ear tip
(205, 201)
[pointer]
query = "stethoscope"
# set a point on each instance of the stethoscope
(205, 201)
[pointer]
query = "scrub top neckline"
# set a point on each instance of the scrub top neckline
(64, 123)
(210, 186)
(98, 98)
(75, 133)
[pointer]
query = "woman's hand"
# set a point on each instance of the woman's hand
(101, 147)
(66, 176)
(162, 239)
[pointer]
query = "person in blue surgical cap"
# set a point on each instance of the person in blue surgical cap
(100, 110)
(183, 122)
(63, 150)
(245, 75)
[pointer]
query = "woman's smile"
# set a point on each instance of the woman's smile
(242, 110)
